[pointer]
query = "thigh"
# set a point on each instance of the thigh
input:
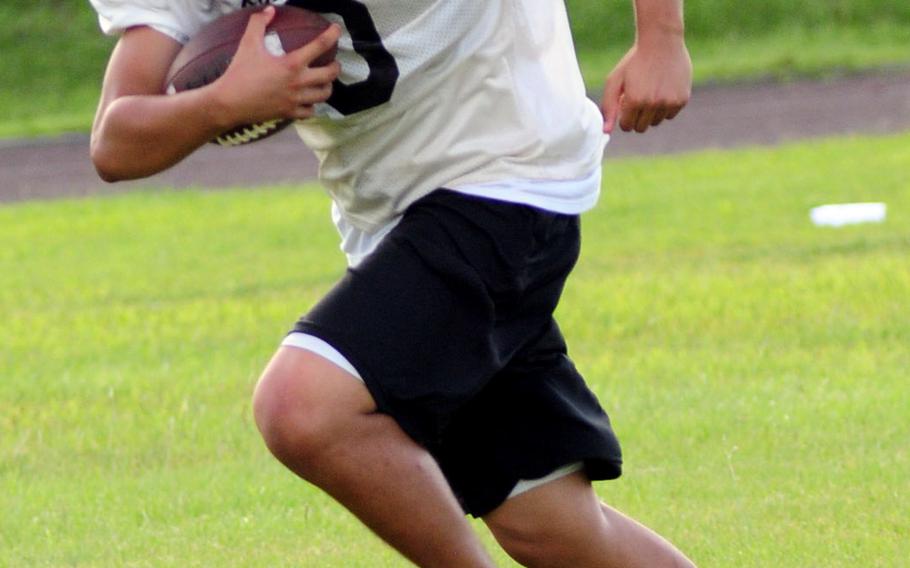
(565, 505)
(564, 523)
(560, 523)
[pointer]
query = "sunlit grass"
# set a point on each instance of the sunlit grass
(754, 365)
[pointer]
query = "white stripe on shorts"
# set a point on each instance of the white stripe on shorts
(525, 485)
(319, 347)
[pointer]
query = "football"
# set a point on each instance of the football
(208, 53)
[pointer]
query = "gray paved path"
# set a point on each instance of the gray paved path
(717, 117)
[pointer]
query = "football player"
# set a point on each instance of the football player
(459, 148)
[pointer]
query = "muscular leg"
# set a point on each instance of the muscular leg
(563, 523)
(321, 423)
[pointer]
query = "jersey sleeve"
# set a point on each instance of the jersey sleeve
(115, 16)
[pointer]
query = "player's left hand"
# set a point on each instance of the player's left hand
(650, 84)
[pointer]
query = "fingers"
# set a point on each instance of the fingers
(640, 119)
(674, 110)
(649, 117)
(611, 102)
(311, 86)
(639, 116)
(303, 112)
(315, 94)
(255, 27)
(323, 75)
(659, 116)
(307, 97)
(314, 84)
(320, 44)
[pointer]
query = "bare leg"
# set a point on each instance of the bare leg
(563, 523)
(321, 423)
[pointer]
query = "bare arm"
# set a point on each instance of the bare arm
(139, 131)
(653, 81)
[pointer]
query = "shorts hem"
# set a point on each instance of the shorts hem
(595, 468)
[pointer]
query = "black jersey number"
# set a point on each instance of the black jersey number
(377, 88)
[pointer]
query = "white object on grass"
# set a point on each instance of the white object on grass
(840, 214)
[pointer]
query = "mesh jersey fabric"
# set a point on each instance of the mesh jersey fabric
(483, 93)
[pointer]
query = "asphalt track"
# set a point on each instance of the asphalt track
(719, 116)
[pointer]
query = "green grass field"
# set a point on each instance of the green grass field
(755, 366)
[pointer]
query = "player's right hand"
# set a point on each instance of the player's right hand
(259, 86)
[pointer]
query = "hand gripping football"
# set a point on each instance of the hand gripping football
(207, 55)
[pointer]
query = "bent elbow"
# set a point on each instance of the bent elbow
(105, 163)
(106, 175)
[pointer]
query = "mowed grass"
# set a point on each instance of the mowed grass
(782, 54)
(52, 63)
(754, 366)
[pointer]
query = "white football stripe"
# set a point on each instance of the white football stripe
(273, 44)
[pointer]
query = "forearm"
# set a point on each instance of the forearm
(140, 131)
(658, 20)
(140, 135)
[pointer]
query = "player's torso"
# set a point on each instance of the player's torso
(449, 93)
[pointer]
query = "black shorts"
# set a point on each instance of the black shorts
(450, 324)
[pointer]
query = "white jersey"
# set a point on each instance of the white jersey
(479, 96)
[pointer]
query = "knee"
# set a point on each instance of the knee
(301, 405)
(288, 417)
